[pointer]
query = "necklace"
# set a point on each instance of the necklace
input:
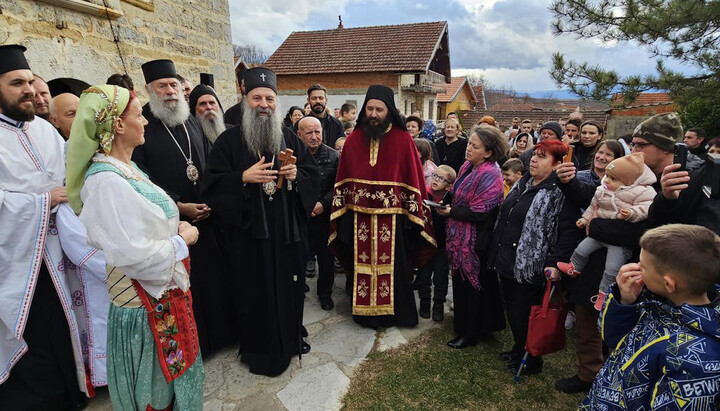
(191, 171)
(271, 186)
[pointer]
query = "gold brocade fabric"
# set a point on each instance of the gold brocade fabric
(374, 247)
(374, 149)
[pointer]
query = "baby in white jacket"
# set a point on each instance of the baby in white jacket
(625, 193)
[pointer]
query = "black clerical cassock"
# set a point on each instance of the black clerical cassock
(268, 241)
(164, 157)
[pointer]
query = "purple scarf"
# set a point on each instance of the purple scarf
(481, 191)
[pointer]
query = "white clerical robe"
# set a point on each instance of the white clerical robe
(88, 286)
(31, 165)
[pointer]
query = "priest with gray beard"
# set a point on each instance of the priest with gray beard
(174, 157)
(206, 107)
(265, 224)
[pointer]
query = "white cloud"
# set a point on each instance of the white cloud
(509, 41)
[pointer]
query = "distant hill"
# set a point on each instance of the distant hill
(553, 94)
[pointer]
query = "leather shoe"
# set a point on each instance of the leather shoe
(508, 356)
(530, 368)
(305, 347)
(461, 342)
(326, 303)
(572, 385)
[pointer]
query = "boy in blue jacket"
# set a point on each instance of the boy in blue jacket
(663, 320)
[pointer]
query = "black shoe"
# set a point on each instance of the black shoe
(307, 288)
(424, 310)
(572, 385)
(509, 356)
(530, 368)
(438, 312)
(305, 347)
(326, 303)
(461, 342)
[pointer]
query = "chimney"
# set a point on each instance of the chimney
(340, 25)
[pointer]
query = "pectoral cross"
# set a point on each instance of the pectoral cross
(287, 158)
(262, 76)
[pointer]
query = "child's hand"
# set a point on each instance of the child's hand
(630, 282)
(580, 223)
(625, 213)
(443, 211)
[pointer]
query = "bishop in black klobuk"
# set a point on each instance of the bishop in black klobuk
(174, 157)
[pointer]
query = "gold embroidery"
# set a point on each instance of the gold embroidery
(374, 150)
(384, 258)
(385, 233)
(377, 183)
(363, 232)
(384, 289)
(364, 257)
(362, 289)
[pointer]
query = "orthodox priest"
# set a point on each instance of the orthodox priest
(174, 157)
(379, 226)
(265, 223)
(41, 366)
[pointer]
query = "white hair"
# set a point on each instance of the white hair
(211, 127)
(171, 113)
(262, 134)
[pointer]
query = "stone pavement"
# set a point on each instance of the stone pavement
(338, 346)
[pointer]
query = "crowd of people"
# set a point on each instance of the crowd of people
(139, 240)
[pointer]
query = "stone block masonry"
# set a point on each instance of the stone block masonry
(66, 43)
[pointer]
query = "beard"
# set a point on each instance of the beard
(13, 109)
(262, 133)
(212, 127)
(172, 113)
(318, 108)
(373, 128)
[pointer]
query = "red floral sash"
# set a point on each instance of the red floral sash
(172, 323)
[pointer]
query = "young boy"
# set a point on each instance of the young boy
(438, 191)
(512, 171)
(663, 320)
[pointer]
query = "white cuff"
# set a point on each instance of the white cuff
(181, 249)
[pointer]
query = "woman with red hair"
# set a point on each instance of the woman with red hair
(534, 230)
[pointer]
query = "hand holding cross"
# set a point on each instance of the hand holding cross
(287, 167)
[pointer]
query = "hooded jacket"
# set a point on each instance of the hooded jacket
(636, 197)
(665, 357)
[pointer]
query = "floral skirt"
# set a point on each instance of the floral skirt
(135, 378)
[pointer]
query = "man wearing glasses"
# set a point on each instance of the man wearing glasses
(656, 138)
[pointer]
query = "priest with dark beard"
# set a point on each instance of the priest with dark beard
(265, 223)
(174, 157)
(379, 227)
(206, 107)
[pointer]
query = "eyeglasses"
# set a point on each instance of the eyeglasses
(439, 178)
(639, 145)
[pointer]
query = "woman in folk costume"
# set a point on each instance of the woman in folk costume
(153, 352)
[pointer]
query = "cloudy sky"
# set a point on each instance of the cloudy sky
(508, 41)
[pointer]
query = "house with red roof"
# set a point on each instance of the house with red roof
(459, 95)
(412, 59)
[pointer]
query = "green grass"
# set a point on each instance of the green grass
(425, 374)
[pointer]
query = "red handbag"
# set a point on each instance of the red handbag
(546, 327)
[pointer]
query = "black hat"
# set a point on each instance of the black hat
(157, 69)
(199, 91)
(387, 96)
(12, 57)
(259, 77)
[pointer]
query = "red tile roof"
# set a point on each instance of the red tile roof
(451, 90)
(504, 118)
(480, 94)
(406, 47)
(643, 99)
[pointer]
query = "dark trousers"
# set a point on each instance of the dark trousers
(318, 230)
(519, 297)
(437, 269)
(588, 344)
(44, 378)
